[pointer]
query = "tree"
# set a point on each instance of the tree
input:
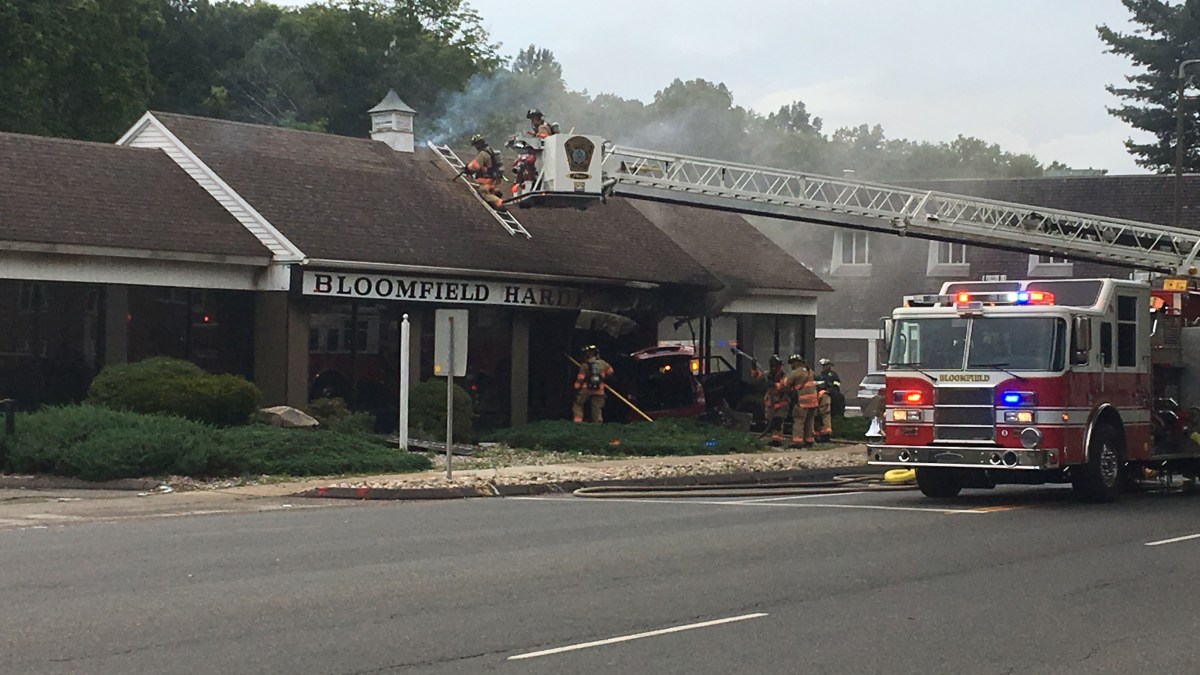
(536, 62)
(794, 117)
(74, 68)
(1169, 35)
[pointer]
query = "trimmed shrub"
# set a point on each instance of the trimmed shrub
(662, 437)
(172, 387)
(852, 428)
(122, 386)
(427, 410)
(95, 443)
(355, 423)
(327, 410)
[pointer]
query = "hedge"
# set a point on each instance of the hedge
(662, 437)
(96, 443)
(427, 410)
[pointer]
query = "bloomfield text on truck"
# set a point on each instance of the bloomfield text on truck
(389, 287)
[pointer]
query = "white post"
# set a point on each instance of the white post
(450, 399)
(402, 431)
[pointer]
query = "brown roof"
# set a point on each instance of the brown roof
(1146, 198)
(55, 191)
(731, 248)
(358, 200)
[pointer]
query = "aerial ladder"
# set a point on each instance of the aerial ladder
(577, 170)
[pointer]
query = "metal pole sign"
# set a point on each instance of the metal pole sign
(405, 337)
(450, 361)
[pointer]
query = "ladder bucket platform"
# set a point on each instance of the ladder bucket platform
(506, 219)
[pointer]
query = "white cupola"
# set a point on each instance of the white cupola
(392, 122)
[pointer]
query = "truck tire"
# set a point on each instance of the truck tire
(939, 483)
(1101, 478)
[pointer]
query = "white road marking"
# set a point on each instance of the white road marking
(635, 636)
(1172, 541)
(758, 500)
(635, 500)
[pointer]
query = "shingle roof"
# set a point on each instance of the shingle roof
(55, 191)
(1148, 198)
(358, 200)
(731, 248)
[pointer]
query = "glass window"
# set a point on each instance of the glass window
(936, 344)
(1127, 332)
(854, 247)
(1106, 343)
(950, 253)
(1018, 343)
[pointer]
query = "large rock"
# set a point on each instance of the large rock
(289, 418)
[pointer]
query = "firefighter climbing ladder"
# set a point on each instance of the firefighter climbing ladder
(505, 218)
(763, 191)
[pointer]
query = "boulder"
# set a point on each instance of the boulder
(289, 418)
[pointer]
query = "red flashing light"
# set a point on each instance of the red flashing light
(1041, 298)
(963, 298)
(914, 397)
(206, 318)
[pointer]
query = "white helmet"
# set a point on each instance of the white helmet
(825, 362)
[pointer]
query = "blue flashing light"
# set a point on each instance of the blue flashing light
(710, 443)
(1023, 298)
(1011, 398)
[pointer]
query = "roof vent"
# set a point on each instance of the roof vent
(392, 122)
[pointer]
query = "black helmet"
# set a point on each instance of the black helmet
(588, 348)
(775, 360)
(795, 358)
(478, 140)
(533, 112)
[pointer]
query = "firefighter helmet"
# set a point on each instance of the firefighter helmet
(588, 348)
(478, 140)
(775, 360)
(825, 362)
(795, 358)
(533, 112)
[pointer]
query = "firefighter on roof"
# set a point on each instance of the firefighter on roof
(485, 169)
(804, 392)
(538, 126)
(589, 385)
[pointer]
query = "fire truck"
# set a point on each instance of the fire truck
(1081, 381)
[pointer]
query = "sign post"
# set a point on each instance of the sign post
(450, 361)
(405, 337)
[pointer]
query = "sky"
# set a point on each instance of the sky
(1026, 74)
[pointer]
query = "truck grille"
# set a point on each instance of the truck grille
(964, 414)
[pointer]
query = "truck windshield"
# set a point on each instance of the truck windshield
(1014, 343)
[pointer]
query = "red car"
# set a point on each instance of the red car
(664, 382)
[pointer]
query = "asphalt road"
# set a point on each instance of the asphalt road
(1015, 580)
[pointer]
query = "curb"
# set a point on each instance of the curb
(567, 487)
(65, 483)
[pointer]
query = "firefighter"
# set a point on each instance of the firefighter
(828, 391)
(875, 411)
(775, 399)
(538, 126)
(833, 383)
(804, 394)
(485, 169)
(589, 385)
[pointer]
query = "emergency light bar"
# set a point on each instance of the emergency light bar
(968, 300)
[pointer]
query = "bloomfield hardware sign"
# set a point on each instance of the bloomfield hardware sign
(418, 289)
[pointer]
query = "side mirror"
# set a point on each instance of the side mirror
(1081, 340)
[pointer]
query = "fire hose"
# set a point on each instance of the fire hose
(837, 485)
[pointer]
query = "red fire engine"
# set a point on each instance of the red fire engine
(1070, 380)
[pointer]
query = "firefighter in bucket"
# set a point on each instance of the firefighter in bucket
(589, 385)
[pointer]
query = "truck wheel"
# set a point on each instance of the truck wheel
(939, 483)
(1100, 479)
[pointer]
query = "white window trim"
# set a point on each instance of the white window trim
(936, 268)
(1044, 269)
(840, 268)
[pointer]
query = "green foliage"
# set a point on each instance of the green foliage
(851, 428)
(95, 444)
(169, 386)
(662, 437)
(427, 410)
(1166, 37)
(328, 410)
(355, 423)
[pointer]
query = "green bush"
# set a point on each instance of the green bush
(354, 423)
(662, 437)
(851, 428)
(122, 386)
(427, 410)
(172, 387)
(95, 443)
(328, 410)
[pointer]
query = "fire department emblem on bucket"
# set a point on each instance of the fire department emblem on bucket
(579, 155)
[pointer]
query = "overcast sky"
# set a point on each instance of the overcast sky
(1027, 74)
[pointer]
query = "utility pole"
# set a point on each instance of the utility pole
(1179, 139)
